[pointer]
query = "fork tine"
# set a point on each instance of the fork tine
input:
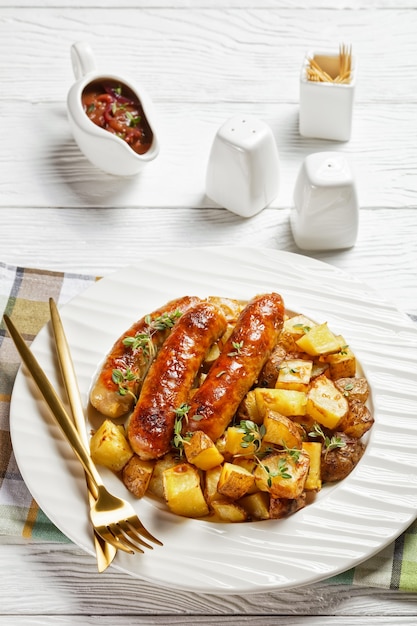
(132, 533)
(139, 529)
(117, 531)
(108, 536)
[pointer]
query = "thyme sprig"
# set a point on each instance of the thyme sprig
(122, 378)
(281, 471)
(143, 341)
(179, 440)
(253, 434)
(330, 443)
(238, 345)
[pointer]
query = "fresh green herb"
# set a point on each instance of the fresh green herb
(302, 327)
(179, 440)
(330, 443)
(141, 341)
(294, 453)
(291, 370)
(91, 108)
(122, 378)
(253, 434)
(133, 120)
(347, 388)
(281, 471)
(343, 349)
(118, 90)
(164, 321)
(238, 345)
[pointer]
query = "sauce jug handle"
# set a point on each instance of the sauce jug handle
(82, 59)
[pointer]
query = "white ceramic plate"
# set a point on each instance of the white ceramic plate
(347, 523)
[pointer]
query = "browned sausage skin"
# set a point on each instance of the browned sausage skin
(168, 383)
(238, 366)
(120, 378)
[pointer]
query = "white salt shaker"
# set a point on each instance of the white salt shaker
(325, 215)
(326, 108)
(243, 168)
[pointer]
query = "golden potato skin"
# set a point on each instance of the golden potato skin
(358, 420)
(354, 388)
(283, 507)
(336, 464)
(136, 475)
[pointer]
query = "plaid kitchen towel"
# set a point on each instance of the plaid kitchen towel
(24, 295)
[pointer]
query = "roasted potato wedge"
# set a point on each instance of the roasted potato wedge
(137, 474)
(325, 403)
(283, 474)
(183, 492)
(109, 446)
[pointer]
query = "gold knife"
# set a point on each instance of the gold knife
(105, 552)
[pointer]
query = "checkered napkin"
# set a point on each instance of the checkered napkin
(24, 295)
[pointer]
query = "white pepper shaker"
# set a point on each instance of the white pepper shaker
(243, 167)
(325, 215)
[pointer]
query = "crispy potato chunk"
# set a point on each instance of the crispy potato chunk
(155, 484)
(137, 475)
(182, 491)
(256, 505)
(358, 420)
(283, 507)
(269, 373)
(283, 474)
(248, 409)
(285, 401)
(354, 388)
(210, 484)
(235, 443)
(336, 464)
(109, 446)
(319, 340)
(342, 363)
(229, 511)
(294, 374)
(281, 431)
(201, 451)
(325, 403)
(293, 329)
(234, 481)
(313, 480)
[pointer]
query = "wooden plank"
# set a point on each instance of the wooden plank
(61, 580)
(98, 241)
(187, 54)
(48, 169)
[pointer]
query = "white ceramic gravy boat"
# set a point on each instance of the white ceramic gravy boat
(104, 149)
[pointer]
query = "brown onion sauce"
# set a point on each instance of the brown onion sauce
(114, 107)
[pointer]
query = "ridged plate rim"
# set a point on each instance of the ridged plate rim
(348, 523)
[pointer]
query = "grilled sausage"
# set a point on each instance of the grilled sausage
(130, 363)
(168, 383)
(238, 366)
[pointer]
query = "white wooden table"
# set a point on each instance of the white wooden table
(202, 62)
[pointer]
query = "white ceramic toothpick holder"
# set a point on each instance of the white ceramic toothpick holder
(243, 168)
(325, 215)
(326, 108)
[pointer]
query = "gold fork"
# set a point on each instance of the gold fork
(112, 518)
